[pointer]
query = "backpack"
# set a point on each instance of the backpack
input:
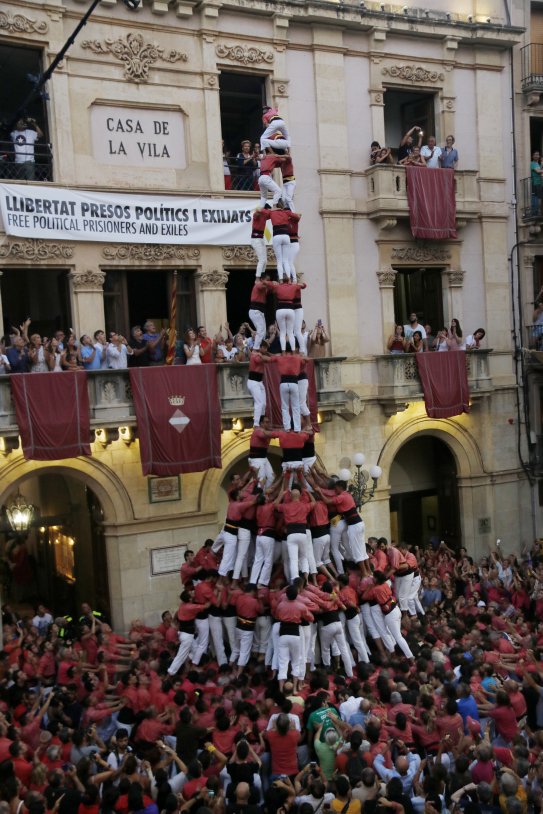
(354, 767)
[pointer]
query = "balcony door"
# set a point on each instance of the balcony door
(419, 290)
(403, 110)
(133, 296)
(38, 293)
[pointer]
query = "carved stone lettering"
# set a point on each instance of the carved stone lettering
(412, 73)
(420, 254)
(136, 54)
(36, 250)
(19, 24)
(244, 55)
(149, 251)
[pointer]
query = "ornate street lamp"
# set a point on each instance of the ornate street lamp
(359, 483)
(20, 514)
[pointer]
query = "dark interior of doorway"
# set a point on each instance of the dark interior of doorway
(38, 293)
(238, 295)
(19, 65)
(419, 290)
(242, 97)
(431, 514)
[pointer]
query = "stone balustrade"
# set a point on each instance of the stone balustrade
(399, 382)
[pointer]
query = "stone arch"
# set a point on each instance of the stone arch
(107, 486)
(464, 448)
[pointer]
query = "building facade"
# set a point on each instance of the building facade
(141, 105)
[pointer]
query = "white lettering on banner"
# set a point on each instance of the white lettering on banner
(69, 214)
(138, 137)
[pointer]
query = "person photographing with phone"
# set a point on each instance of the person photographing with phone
(318, 339)
(25, 135)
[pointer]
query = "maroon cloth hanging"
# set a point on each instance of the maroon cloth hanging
(53, 414)
(444, 378)
(179, 418)
(432, 202)
(272, 380)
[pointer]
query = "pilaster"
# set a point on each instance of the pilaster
(87, 300)
(211, 297)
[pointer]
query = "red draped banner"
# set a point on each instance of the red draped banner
(53, 414)
(179, 418)
(432, 202)
(444, 380)
(272, 380)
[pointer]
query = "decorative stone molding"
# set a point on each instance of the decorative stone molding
(212, 80)
(529, 259)
(456, 278)
(421, 254)
(36, 250)
(212, 278)
(90, 280)
(244, 55)
(412, 73)
(376, 97)
(386, 277)
(136, 54)
(150, 251)
(449, 104)
(19, 24)
(244, 254)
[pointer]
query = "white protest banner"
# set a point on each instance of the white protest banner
(65, 214)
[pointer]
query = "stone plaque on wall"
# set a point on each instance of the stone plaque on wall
(138, 137)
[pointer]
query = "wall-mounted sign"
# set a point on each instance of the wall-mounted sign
(138, 137)
(167, 560)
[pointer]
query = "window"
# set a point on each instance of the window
(419, 291)
(403, 109)
(20, 68)
(242, 97)
(132, 297)
(39, 293)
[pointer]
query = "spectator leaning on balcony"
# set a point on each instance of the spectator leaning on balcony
(449, 155)
(247, 163)
(414, 159)
(89, 357)
(117, 352)
(26, 133)
(431, 153)
(473, 341)
(396, 341)
(537, 185)
(408, 142)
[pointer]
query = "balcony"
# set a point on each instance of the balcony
(111, 402)
(530, 205)
(399, 381)
(387, 194)
(41, 171)
(531, 73)
(237, 179)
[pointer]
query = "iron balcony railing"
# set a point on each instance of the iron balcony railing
(238, 177)
(531, 77)
(40, 169)
(530, 200)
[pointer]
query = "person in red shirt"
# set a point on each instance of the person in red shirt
(295, 513)
(255, 382)
(188, 569)
(258, 453)
(229, 534)
(290, 366)
(248, 607)
(505, 721)
(258, 243)
(343, 501)
(281, 219)
(266, 184)
(186, 614)
(353, 618)
(290, 612)
(206, 345)
(257, 308)
(392, 617)
(289, 181)
(285, 294)
(265, 541)
(283, 742)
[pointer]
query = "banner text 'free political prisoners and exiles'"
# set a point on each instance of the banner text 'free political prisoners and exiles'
(65, 214)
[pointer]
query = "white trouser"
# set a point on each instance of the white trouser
(258, 392)
(336, 533)
(356, 634)
(291, 466)
(303, 386)
(259, 247)
(229, 623)
(262, 634)
(308, 464)
(219, 542)
(264, 471)
(413, 604)
(357, 541)
(294, 249)
(290, 403)
(379, 622)
(289, 651)
(393, 622)
(262, 566)
(311, 654)
(215, 629)
(402, 589)
(298, 319)
(305, 657)
(321, 549)
(183, 652)
(244, 541)
(266, 185)
(272, 651)
(365, 610)
(295, 547)
(281, 248)
(334, 633)
(278, 125)
(244, 644)
(288, 193)
(310, 553)
(285, 322)
(201, 642)
(258, 318)
(229, 553)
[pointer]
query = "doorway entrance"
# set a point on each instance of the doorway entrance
(424, 504)
(65, 546)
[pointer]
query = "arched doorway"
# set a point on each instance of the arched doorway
(65, 543)
(424, 503)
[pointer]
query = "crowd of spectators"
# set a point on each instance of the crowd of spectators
(413, 153)
(416, 338)
(28, 352)
(95, 722)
